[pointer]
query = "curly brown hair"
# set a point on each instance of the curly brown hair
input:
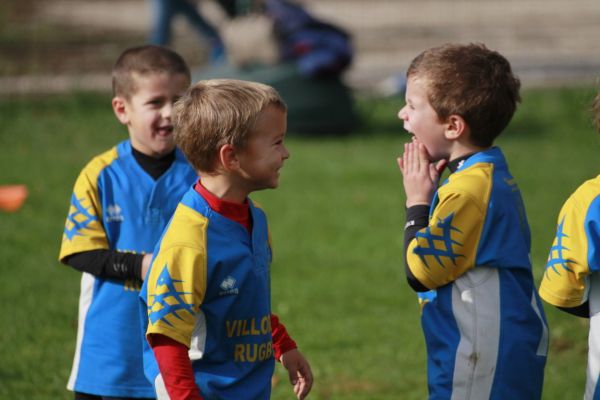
(471, 81)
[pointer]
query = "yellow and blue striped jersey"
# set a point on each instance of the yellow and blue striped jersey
(209, 288)
(483, 322)
(572, 275)
(116, 205)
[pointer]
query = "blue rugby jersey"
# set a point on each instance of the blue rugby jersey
(209, 289)
(483, 322)
(116, 205)
(572, 275)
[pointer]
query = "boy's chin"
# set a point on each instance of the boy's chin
(438, 158)
(162, 151)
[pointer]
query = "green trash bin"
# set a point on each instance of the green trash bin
(316, 106)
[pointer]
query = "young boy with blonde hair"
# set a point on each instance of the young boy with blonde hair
(572, 278)
(121, 203)
(467, 243)
(207, 296)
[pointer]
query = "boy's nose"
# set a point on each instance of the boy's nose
(402, 113)
(167, 110)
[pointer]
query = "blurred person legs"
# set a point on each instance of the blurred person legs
(164, 11)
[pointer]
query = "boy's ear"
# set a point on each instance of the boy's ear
(228, 158)
(119, 106)
(456, 127)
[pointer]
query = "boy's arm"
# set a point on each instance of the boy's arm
(420, 178)
(566, 279)
(106, 263)
(292, 360)
(417, 218)
(282, 342)
(175, 367)
(582, 311)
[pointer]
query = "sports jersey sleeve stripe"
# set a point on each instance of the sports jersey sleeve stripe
(564, 283)
(178, 275)
(447, 248)
(592, 232)
(83, 227)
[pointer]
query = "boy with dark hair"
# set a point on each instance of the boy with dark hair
(572, 278)
(120, 205)
(207, 295)
(467, 243)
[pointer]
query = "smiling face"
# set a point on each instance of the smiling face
(265, 152)
(421, 120)
(147, 113)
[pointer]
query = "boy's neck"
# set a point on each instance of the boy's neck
(223, 188)
(462, 149)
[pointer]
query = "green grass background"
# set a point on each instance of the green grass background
(336, 221)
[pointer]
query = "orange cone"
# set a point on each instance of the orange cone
(12, 197)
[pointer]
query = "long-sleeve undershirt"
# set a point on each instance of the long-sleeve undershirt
(172, 357)
(110, 263)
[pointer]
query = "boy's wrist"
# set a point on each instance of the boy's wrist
(418, 202)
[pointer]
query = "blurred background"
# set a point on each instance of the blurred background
(76, 41)
(336, 220)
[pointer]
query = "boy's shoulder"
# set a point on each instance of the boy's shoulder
(589, 187)
(104, 159)
(474, 181)
(586, 193)
(188, 226)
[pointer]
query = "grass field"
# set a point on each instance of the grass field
(336, 221)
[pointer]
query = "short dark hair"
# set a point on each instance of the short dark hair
(471, 81)
(143, 60)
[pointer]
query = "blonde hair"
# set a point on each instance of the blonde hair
(145, 60)
(216, 112)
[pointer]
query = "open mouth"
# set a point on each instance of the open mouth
(164, 130)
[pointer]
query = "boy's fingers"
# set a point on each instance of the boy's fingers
(302, 388)
(440, 165)
(423, 156)
(412, 160)
(400, 162)
(304, 382)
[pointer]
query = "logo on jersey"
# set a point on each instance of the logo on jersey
(168, 302)
(426, 297)
(438, 243)
(79, 218)
(113, 213)
(557, 251)
(228, 286)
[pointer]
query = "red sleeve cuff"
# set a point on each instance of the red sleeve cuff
(175, 368)
(282, 342)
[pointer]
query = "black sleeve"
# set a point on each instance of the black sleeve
(417, 218)
(582, 310)
(107, 263)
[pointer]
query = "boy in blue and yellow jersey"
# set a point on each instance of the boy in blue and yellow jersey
(120, 205)
(467, 242)
(572, 278)
(207, 296)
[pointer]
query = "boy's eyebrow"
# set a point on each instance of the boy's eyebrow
(155, 98)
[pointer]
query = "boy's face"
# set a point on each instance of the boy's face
(147, 113)
(421, 120)
(265, 152)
